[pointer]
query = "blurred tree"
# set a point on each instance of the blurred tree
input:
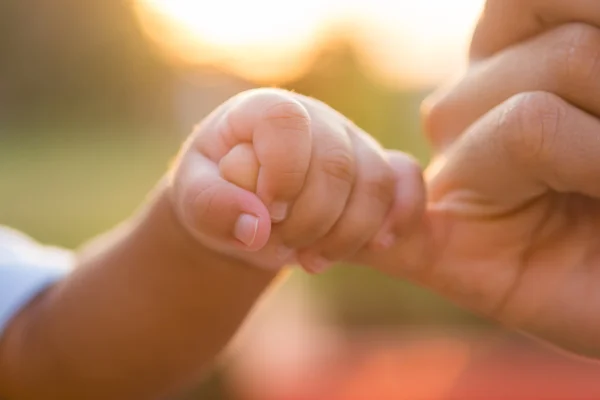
(78, 60)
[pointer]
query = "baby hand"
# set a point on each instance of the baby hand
(273, 177)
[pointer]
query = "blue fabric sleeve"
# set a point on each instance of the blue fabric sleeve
(21, 283)
(26, 269)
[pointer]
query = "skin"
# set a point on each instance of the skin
(306, 152)
(513, 222)
(150, 304)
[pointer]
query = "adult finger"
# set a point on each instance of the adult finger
(563, 61)
(504, 23)
(532, 143)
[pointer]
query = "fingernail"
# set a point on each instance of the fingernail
(319, 264)
(284, 253)
(246, 228)
(386, 241)
(278, 211)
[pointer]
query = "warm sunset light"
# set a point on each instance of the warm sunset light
(404, 42)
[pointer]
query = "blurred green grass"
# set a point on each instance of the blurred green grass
(64, 188)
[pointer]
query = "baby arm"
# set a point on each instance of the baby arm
(151, 303)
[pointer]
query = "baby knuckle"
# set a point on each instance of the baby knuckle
(381, 186)
(339, 164)
(289, 114)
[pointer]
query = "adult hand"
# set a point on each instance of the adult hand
(513, 225)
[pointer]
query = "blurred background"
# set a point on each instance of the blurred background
(96, 96)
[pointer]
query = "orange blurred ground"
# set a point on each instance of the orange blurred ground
(437, 367)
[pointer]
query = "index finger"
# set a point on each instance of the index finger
(533, 143)
(507, 22)
(562, 61)
(278, 127)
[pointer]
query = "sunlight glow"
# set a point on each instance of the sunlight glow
(403, 42)
(417, 43)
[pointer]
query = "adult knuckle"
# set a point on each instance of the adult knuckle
(578, 54)
(488, 34)
(530, 124)
(435, 113)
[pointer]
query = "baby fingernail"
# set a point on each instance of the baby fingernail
(386, 241)
(318, 264)
(278, 211)
(284, 253)
(246, 228)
